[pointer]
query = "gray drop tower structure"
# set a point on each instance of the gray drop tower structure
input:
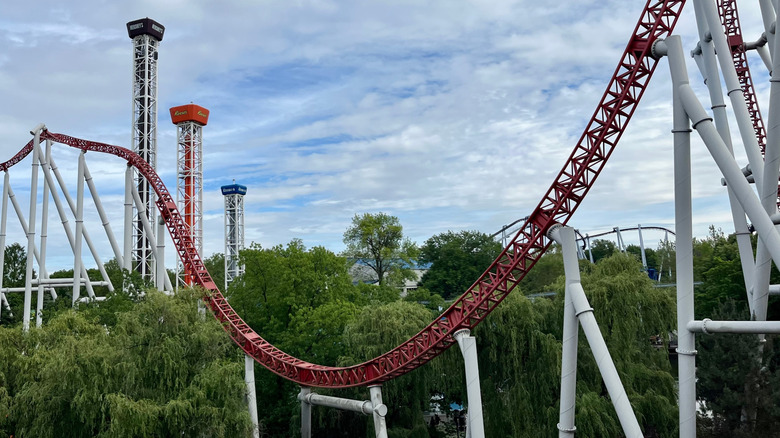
(146, 35)
(234, 230)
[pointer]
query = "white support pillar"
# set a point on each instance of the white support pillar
(712, 80)
(44, 237)
(159, 280)
(31, 232)
(3, 222)
(48, 169)
(305, 412)
(103, 217)
(379, 411)
(566, 426)
(128, 225)
(686, 347)
(251, 395)
(565, 237)
(77, 263)
(468, 348)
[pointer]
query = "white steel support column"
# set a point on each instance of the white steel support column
(79, 230)
(31, 232)
(565, 237)
(686, 348)
(159, 280)
(734, 89)
(571, 332)
(48, 169)
(251, 395)
(379, 411)
(3, 223)
(712, 80)
(769, 189)
(44, 236)
(305, 412)
(103, 217)
(468, 348)
(642, 247)
(128, 225)
(147, 226)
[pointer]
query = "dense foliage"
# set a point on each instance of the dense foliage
(456, 261)
(148, 365)
(160, 370)
(377, 242)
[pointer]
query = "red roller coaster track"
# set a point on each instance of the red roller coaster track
(559, 203)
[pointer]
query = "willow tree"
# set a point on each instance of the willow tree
(520, 346)
(161, 370)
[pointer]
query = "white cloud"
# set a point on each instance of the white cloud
(448, 114)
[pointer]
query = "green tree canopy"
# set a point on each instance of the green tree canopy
(457, 260)
(377, 241)
(161, 370)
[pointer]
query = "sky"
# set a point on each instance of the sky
(451, 114)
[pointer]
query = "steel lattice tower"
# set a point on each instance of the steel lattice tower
(146, 35)
(190, 120)
(234, 230)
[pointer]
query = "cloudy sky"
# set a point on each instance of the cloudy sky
(450, 114)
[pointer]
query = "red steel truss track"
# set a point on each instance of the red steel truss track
(559, 203)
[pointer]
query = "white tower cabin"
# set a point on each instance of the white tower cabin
(190, 120)
(234, 230)
(146, 35)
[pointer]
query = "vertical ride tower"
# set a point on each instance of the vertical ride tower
(146, 35)
(190, 120)
(234, 229)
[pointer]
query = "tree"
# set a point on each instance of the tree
(601, 248)
(377, 241)
(520, 345)
(456, 259)
(14, 271)
(216, 267)
(300, 300)
(161, 370)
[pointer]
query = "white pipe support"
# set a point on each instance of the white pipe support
(251, 395)
(722, 124)
(305, 412)
(768, 18)
(3, 223)
(141, 209)
(44, 237)
(103, 217)
(468, 348)
(709, 326)
(566, 427)
(160, 275)
(684, 239)
(364, 407)
(744, 244)
(79, 230)
(84, 232)
(128, 221)
(31, 232)
(737, 98)
(380, 411)
(564, 236)
(747, 198)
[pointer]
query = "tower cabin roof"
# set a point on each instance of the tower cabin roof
(190, 113)
(145, 26)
